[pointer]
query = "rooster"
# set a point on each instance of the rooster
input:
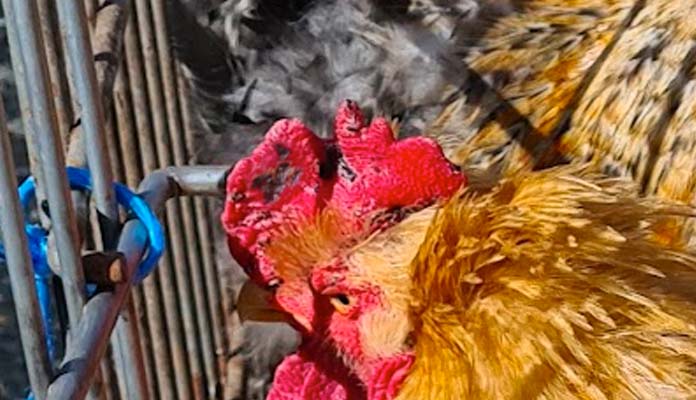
(519, 86)
(407, 283)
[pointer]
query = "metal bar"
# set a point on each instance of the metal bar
(114, 149)
(74, 24)
(22, 94)
(212, 283)
(176, 134)
(129, 362)
(107, 38)
(107, 372)
(48, 139)
(20, 269)
(90, 336)
(205, 239)
(172, 365)
(138, 299)
(235, 368)
(185, 297)
(225, 326)
(56, 70)
(127, 347)
(129, 171)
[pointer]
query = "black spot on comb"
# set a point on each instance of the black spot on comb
(327, 169)
(281, 150)
(273, 183)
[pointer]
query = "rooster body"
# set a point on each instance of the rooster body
(605, 82)
(553, 284)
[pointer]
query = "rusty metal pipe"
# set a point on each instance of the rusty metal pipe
(162, 314)
(129, 171)
(177, 243)
(205, 239)
(176, 137)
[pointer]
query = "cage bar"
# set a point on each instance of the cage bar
(20, 269)
(127, 347)
(205, 238)
(56, 70)
(173, 210)
(159, 290)
(47, 138)
(167, 336)
(91, 334)
(177, 150)
(127, 169)
(74, 24)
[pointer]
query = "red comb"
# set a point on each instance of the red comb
(294, 174)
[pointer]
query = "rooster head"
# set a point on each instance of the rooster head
(298, 203)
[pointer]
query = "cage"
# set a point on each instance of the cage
(100, 99)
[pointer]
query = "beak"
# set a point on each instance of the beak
(254, 304)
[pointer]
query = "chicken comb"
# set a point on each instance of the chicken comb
(364, 172)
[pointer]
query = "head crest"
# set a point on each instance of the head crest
(362, 172)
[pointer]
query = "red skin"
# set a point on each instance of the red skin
(315, 373)
(382, 377)
(291, 176)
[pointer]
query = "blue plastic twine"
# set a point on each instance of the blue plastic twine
(79, 179)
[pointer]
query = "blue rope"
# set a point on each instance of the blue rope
(38, 244)
(79, 179)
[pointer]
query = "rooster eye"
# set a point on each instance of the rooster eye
(343, 299)
(273, 284)
(341, 302)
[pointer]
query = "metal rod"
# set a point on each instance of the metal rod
(176, 134)
(205, 239)
(225, 327)
(185, 296)
(114, 149)
(27, 115)
(127, 347)
(20, 269)
(129, 362)
(56, 70)
(48, 139)
(108, 366)
(74, 24)
(129, 171)
(110, 391)
(138, 299)
(172, 365)
(107, 38)
(90, 336)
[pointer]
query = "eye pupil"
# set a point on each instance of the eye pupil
(343, 299)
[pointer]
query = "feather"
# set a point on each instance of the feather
(613, 322)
